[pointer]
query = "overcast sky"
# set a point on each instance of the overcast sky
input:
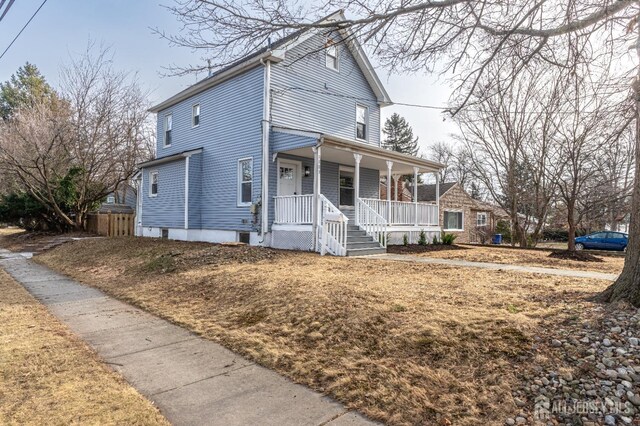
(63, 28)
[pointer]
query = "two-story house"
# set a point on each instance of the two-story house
(282, 149)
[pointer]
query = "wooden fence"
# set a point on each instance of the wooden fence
(111, 224)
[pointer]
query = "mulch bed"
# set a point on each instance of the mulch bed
(415, 248)
(579, 256)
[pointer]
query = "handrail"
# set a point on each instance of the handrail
(372, 222)
(332, 229)
(405, 213)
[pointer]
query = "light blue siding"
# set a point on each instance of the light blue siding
(369, 183)
(280, 141)
(314, 108)
(195, 191)
(230, 129)
(166, 209)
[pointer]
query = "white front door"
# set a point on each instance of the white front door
(289, 179)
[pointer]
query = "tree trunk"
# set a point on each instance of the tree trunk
(571, 244)
(627, 286)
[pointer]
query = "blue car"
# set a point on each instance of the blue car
(605, 240)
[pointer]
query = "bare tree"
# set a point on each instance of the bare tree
(459, 37)
(590, 124)
(70, 154)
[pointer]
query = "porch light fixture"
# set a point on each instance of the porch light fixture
(307, 171)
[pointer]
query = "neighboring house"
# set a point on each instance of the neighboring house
(122, 200)
(472, 221)
(281, 149)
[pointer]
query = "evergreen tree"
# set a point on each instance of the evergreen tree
(399, 136)
(25, 87)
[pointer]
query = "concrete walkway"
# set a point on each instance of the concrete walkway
(192, 380)
(494, 266)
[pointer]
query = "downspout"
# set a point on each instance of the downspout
(316, 191)
(186, 193)
(266, 115)
(139, 206)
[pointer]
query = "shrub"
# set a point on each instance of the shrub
(435, 240)
(448, 239)
(422, 239)
(405, 240)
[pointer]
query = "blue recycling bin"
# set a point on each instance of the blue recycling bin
(497, 239)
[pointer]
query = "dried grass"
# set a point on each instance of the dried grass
(48, 376)
(514, 256)
(403, 343)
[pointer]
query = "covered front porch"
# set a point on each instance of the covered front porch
(330, 191)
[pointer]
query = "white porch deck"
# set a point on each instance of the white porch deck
(379, 219)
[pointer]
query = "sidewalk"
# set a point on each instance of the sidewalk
(192, 380)
(495, 266)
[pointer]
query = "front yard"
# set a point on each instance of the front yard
(516, 256)
(404, 343)
(49, 376)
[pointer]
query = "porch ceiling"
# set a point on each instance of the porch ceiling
(341, 152)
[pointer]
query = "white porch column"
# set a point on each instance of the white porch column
(356, 184)
(389, 178)
(396, 178)
(316, 195)
(415, 193)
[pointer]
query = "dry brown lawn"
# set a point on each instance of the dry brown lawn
(403, 343)
(515, 256)
(48, 376)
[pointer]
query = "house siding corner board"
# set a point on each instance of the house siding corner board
(166, 209)
(327, 103)
(230, 129)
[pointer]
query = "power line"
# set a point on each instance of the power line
(23, 28)
(7, 9)
(283, 90)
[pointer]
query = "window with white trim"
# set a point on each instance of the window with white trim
(245, 181)
(481, 219)
(168, 126)
(153, 184)
(453, 221)
(332, 55)
(195, 115)
(111, 199)
(361, 122)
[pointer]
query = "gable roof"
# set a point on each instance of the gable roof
(276, 52)
(428, 192)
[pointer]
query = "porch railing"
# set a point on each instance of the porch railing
(332, 229)
(372, 222)
(294, 209)
(404, 213)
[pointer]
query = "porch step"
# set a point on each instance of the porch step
(352, 245)
(366, 251)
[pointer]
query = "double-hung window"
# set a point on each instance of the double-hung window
(168, 126)
(195, 115)
(361, 122)
(332, 55)
(245, 181)
(481, 219)
(453, 221)
(153, 184)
